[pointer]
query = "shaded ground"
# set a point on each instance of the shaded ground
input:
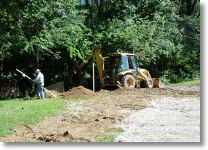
(83, 121)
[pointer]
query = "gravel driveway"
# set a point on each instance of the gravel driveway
(168, 120)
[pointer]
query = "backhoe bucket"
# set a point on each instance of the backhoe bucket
(156, 82)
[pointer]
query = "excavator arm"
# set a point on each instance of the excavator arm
(100, 62)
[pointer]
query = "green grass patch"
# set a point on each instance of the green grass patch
(25, 112)
(190, 82)
(110, 135)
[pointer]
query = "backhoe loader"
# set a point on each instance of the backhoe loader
(121, 70)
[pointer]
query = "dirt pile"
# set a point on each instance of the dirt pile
(78, 92)
(49, 95)
(58, 87)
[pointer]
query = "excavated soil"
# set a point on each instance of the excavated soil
(77, 92)
(58, 87)
(83, 121)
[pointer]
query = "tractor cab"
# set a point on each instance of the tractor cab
(117, 66)
(121, 62)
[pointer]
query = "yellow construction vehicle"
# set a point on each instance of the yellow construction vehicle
(120, 70)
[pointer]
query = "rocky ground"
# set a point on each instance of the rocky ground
(149, 115)
(168, 120)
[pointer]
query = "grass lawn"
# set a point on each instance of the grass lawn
(190, 82)
(25, 112)
(110, 135)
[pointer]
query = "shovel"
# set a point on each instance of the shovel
(24, 75)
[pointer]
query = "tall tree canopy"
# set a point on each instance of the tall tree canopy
(164, 34)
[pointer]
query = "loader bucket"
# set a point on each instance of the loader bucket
(156, 82)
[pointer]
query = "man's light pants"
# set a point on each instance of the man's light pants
(40, 91)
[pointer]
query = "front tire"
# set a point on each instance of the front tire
(128, 81)
(148, 83)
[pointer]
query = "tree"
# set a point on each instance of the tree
(41, 30)
(36, 33)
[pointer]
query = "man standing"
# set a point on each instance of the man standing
(40, 84)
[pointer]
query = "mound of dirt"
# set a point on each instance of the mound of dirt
(78, 92)
(58, 87)
(54, 92)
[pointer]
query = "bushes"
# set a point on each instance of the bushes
(163, 34)
(8, 87)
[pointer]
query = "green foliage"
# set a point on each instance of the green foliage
(109, 135)
(188, 82)
(42, 28)
(158, 33)
(164, 34)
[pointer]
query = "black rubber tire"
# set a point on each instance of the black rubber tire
(128, 81)
(148, 83)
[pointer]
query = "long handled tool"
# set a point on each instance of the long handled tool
(24, 75)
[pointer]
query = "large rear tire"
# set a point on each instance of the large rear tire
(128, 81)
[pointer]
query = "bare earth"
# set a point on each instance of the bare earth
(169, 115)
